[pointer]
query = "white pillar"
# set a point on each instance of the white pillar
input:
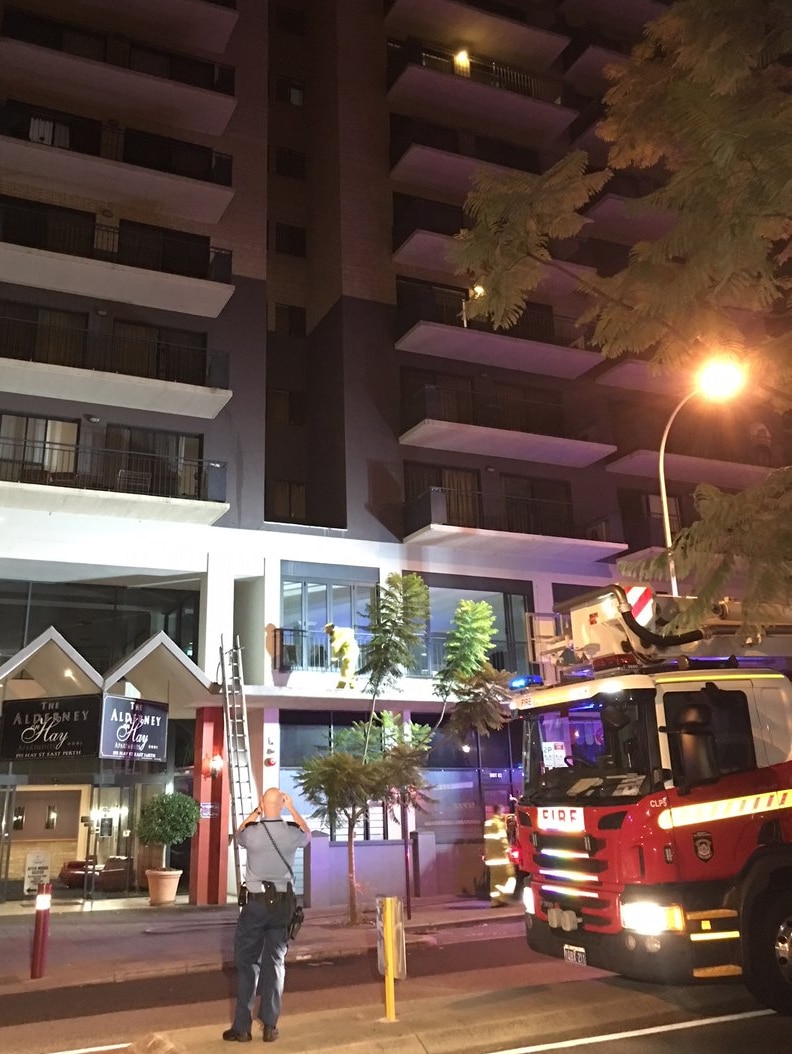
(217, 612)
(250, 627)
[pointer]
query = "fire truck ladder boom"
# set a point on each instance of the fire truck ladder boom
(242, 788)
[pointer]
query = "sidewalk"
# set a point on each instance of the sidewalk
(549, 999)
(122, 940)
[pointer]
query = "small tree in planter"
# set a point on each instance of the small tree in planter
(165, 820)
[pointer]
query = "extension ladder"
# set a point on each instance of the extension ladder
(242, 787)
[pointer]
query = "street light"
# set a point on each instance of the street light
(717, 380)
(476, 293)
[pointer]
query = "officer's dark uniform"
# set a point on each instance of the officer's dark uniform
(262, 935)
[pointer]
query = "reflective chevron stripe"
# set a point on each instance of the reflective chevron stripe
(724, 809)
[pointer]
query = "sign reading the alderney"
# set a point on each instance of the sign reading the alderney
(133, 729)
(65, 727)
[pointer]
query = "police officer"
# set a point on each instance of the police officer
(262, 933)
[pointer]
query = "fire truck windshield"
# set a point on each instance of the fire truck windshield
(598, 748)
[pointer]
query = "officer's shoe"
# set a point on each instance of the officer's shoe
(270, 1034)
(232, 1036)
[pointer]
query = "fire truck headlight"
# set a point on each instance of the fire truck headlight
(528, 899)
(650, 919)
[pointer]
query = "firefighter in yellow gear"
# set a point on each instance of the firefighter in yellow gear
(502, 880)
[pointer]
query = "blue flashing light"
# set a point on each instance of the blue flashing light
(525, 680)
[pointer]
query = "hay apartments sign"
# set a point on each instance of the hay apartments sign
(84, 726)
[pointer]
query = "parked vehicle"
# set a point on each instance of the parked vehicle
(656, 819)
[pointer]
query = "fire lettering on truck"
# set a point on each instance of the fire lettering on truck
(557, 819)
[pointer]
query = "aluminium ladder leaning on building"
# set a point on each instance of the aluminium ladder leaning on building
(241, 786)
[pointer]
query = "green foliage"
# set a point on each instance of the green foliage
(167, 819)
(480, 702)
(745, 537)
(702, 108)
(396, 623)
(468, 645)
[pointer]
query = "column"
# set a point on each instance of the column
(209, 851)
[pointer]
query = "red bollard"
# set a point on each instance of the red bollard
(41, 932)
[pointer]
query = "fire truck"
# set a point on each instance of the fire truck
(655, 824)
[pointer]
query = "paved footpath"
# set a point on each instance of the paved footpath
(550, 999)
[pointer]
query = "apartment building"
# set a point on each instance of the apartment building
(239, 386)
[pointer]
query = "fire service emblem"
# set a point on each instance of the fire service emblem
(702, 843)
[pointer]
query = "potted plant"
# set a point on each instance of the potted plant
(165, 820)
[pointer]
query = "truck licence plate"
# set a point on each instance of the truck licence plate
(575, 955)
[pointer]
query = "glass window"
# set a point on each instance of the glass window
(290, 239)
(711, 723)
(290, 163)
(290, 91)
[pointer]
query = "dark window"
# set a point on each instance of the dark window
(286, 501)
(287, 20)
(290, 320)
(290, 163)
(719, 717)
(289, 239)
(290, 91)
(285, 407)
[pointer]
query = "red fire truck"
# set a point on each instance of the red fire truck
(655, 825)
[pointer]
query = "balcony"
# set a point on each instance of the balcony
(205, 25)
(48, 247)
(105, 370)
(588, 54)
(541, 530)
(513, 34)
(54, 477)
(627, 16)
(431, 321)
(637, 375)
(481, 94)
(619, 215)
(692, 468)
(444, 160)
(59, 152)
(139, 82)
(307, 651)
(494, 426)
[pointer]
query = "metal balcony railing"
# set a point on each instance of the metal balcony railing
(78, 234)
(159, 359)
(118, 471)
(512, 515)
(116, 51)
(408, 131)
(65, 131)
(419, 302)
(431, 403)
(309, 651)
(478, 68)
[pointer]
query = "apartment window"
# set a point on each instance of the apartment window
(290, 320)
(32, 448)
(290, 91)
(286, 501)
(287, 20)
(286, 407)
(289, 239)
(290, 163)
(654, 507)
(146, 461)
(39, 334)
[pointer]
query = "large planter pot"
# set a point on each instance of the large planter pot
(162, 886)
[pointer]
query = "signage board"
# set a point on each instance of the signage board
(133, 729)
(37, 869)
(58, 727)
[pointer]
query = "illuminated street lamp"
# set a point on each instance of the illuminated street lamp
(717, 380)
(476, 293)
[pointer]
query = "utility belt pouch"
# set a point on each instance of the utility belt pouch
(270, 893)
(242, 899)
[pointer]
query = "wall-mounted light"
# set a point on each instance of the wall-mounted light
(462, 63)
(92, 419)
(216, 766)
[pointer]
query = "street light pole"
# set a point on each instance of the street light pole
(664, 492)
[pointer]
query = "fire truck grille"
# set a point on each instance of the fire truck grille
(569, 871)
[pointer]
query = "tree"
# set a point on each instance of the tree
(480, 700)
(365, 767)
(397, 618)
(704, 101)
(167, 819)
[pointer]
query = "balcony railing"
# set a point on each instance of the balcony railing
(116, 51)
(479, 68)
(121, 472)
(411, 214)
(513, 414)
(309, 651)
(64, 131)
(406, 132)
(158, 359)
(458, 508)
(78, 234)
(419, 302)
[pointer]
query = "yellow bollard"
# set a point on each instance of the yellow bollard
(389, 942)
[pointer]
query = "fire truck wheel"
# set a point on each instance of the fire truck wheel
(768, 958)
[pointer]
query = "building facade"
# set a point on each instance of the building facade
(238, 386)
